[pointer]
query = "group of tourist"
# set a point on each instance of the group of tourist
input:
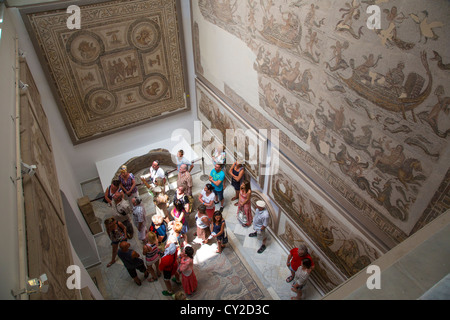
(166, 248)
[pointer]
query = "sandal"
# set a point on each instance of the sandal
(110, 264)
(289, 279)
(261, 250)
(167, 293)
(175, 280)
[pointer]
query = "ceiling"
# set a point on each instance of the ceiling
(121, 68)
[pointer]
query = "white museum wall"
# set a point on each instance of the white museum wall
(230, 58)
(9, 266)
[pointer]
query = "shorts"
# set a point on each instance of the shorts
(167, 275)
(184, 229)
(300, 287)
(219, 194)
(118, 241)
(262, 234)
(203, 233)
(132, 272)
(236, 184)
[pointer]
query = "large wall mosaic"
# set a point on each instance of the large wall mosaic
(363, 113)
(321, 219)
(221, 125)
(122, 68)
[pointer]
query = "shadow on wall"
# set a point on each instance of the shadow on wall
(137, 164)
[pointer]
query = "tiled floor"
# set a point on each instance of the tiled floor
(269, 267)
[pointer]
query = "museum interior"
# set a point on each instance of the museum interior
(337, 111)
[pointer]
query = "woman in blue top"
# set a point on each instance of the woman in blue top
(182, 160)
(113, 188)
(218, 231)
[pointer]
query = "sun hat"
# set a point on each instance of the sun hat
(260, 204)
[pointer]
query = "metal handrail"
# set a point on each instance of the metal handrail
(166, 174)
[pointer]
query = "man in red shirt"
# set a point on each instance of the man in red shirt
(294, 260)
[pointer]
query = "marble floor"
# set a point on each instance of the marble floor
(269, 267)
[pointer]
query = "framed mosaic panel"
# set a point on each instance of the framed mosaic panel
(123, 67)
(47, 241)
(325, 223)
(223, 126)
(360, 111)
(325, 276)
(324, 177)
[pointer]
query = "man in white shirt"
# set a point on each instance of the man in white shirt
(156, 177)
(156, 173)
(139, 219)
(260, 223)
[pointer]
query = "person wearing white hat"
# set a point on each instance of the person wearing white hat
(260, 223)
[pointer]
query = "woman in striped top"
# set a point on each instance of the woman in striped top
(152, 256)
